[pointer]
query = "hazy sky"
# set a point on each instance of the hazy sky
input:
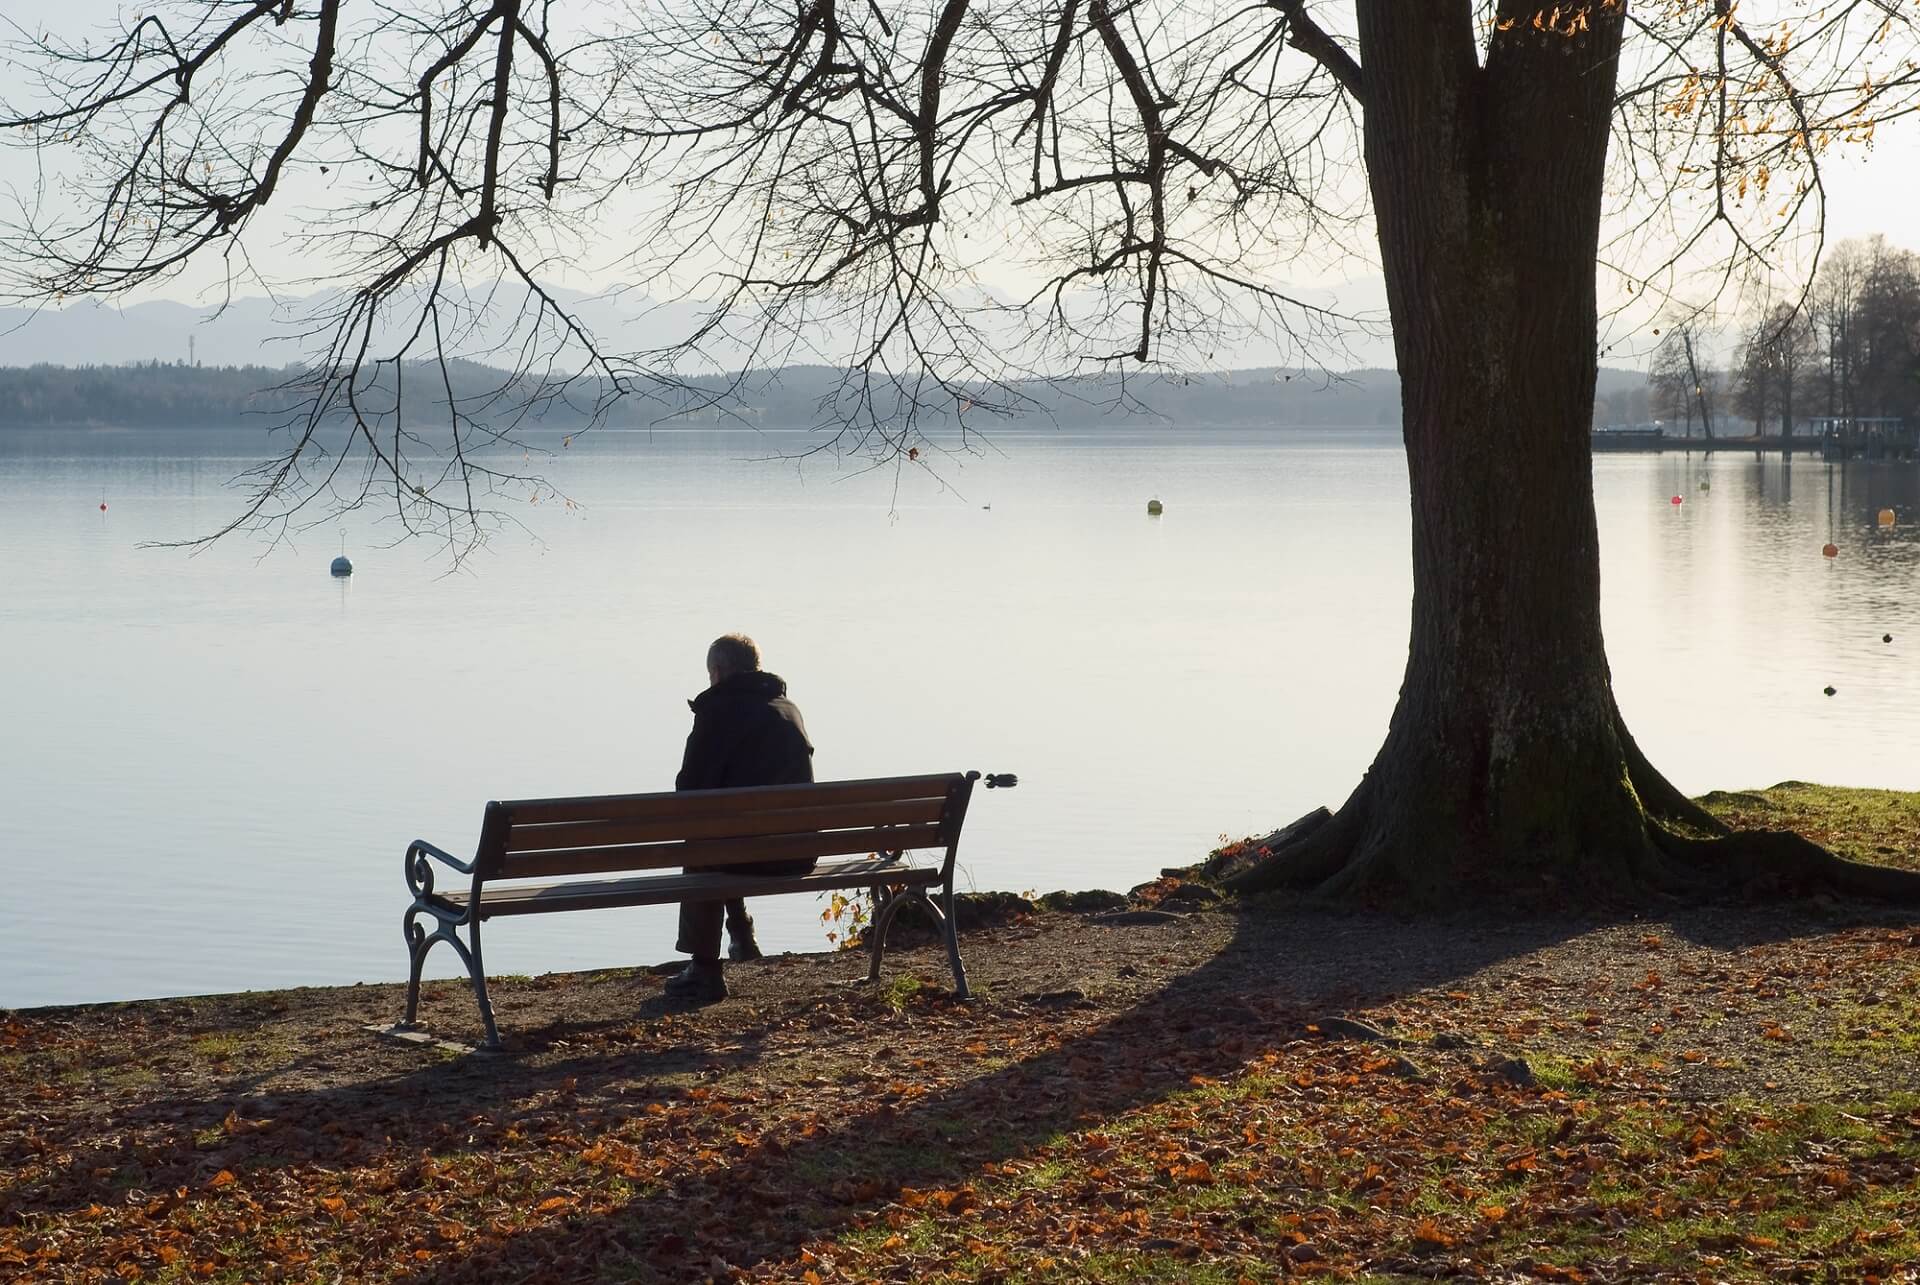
(1875, 191)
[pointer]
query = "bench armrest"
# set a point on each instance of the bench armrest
(439, 854)
(419, 868)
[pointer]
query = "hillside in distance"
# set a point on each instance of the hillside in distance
(178, 395)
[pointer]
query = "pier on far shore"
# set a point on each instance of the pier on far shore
(1832, 437)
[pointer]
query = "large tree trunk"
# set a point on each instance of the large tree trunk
(1503, 765)
(1505, 768)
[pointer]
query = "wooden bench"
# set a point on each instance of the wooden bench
(532, 852)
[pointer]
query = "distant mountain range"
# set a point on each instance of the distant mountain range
(257, 331)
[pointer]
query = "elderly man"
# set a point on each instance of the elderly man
(745, 732)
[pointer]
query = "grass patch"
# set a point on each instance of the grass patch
(898, 992)
(215, 1048)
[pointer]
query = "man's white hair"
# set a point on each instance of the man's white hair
(733, 654)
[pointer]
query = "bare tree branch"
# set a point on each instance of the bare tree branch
(942, 199)
(1306, 35)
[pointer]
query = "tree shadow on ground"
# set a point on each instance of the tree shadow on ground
(1738, 925)
(1280, 970)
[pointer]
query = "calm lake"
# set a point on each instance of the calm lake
(211, 765)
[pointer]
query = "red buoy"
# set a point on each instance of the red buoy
(1678, 499)
(103, 506)
(1829, 550)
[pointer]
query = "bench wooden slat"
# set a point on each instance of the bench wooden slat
(730, 824)
(531, 899)
(717, 852)
(692, 803)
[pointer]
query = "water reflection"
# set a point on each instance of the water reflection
(1726, 622)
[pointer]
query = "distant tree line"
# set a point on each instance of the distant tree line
(1850, 347)
(147, 395)
(179, 395)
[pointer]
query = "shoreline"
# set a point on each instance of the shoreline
(1831, 815)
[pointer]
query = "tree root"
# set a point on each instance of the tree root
(1659, 796)
(1321, 857)
(1662, 844)
(1309, 858)
(1780, 860)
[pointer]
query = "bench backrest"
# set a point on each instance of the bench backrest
(701, 829)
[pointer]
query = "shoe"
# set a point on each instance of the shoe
(698, 983)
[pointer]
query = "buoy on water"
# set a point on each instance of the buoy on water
(103, 506)
(1829, 550)
(341, 567)
(1886, 637)
(1153, 508)
(1705, 485)
(1828, 690)
(1887, 517)
(1678, 499)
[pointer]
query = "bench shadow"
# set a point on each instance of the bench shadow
(474, 1103)
(758, 1208)
(468, 1103)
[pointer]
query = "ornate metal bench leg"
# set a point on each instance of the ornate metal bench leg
(885, 909)
(952, 925)
(479, 976)
(418, 943)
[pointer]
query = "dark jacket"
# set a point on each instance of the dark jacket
(745, 732)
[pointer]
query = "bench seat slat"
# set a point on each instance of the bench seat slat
(730, 823)
(717, 852)
(689, 803)
(533, 899)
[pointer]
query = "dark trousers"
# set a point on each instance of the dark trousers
(701, 921)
